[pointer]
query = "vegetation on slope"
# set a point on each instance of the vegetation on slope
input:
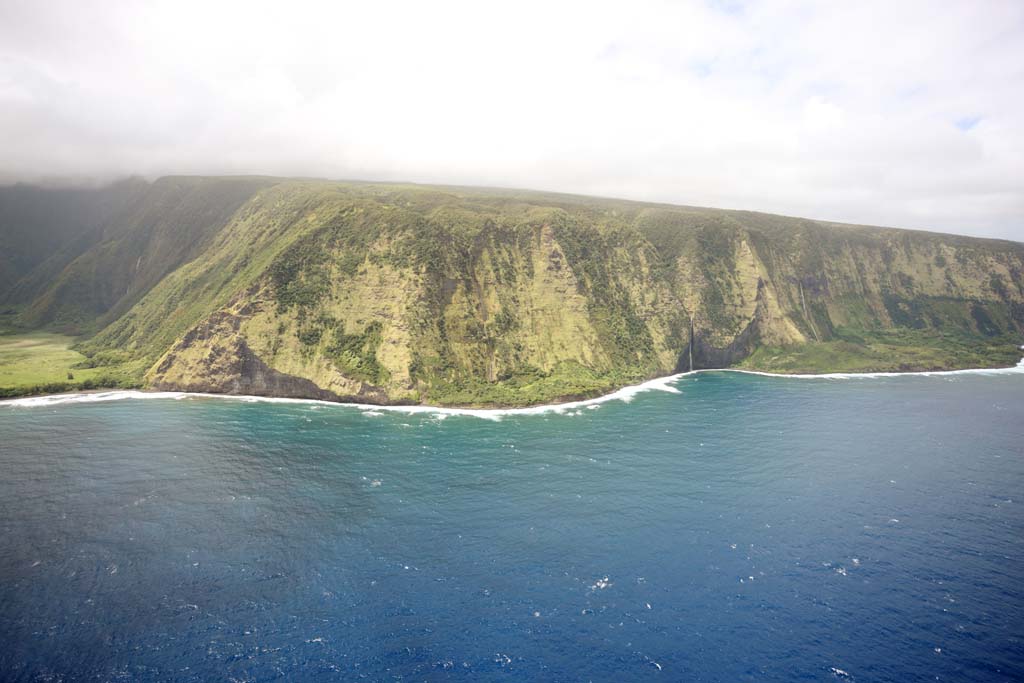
(42, 230)
(395, 293)
(152, 232)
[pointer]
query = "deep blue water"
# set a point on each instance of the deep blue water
(748, 528)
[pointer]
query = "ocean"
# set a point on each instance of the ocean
(714, 527)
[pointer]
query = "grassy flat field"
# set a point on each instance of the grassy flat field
(898, 350)
(39, 358)
(41, 362)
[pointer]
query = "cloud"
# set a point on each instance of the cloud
(890, 113)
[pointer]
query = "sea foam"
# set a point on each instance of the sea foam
(625, 394)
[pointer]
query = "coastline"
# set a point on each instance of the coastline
(625, 394)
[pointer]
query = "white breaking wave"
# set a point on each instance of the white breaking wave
(1016, 369)
(625, 394)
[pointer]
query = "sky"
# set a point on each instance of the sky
(900, 113)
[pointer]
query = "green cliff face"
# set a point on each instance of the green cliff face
(136, 236)
(406, 294)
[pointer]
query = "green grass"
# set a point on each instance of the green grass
(895, 350)
(569, 381)
(41, 362)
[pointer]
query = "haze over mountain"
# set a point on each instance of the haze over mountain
(902, 114)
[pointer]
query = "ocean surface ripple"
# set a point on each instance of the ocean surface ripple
(713, 526)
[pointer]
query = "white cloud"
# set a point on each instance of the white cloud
(846, 111)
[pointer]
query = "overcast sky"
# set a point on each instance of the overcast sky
(894, 113)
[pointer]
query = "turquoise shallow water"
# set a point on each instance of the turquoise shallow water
(746, 528)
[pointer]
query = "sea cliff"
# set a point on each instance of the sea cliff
(461, 296)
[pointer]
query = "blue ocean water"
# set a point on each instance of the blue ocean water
(745, 529)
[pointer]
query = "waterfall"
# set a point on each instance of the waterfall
(807, 316)
(689, 348)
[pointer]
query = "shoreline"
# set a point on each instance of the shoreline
(624, 394)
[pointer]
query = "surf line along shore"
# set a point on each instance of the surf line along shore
(625, 394)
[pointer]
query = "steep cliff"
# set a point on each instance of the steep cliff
(406, 294)
(43, 229)
(134, 238)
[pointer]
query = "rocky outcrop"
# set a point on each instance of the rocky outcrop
(214, 358)
(235, 369)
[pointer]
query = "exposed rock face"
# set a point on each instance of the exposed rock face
(762, 327)
(391, 294)
(235, 369)
(214, 358)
